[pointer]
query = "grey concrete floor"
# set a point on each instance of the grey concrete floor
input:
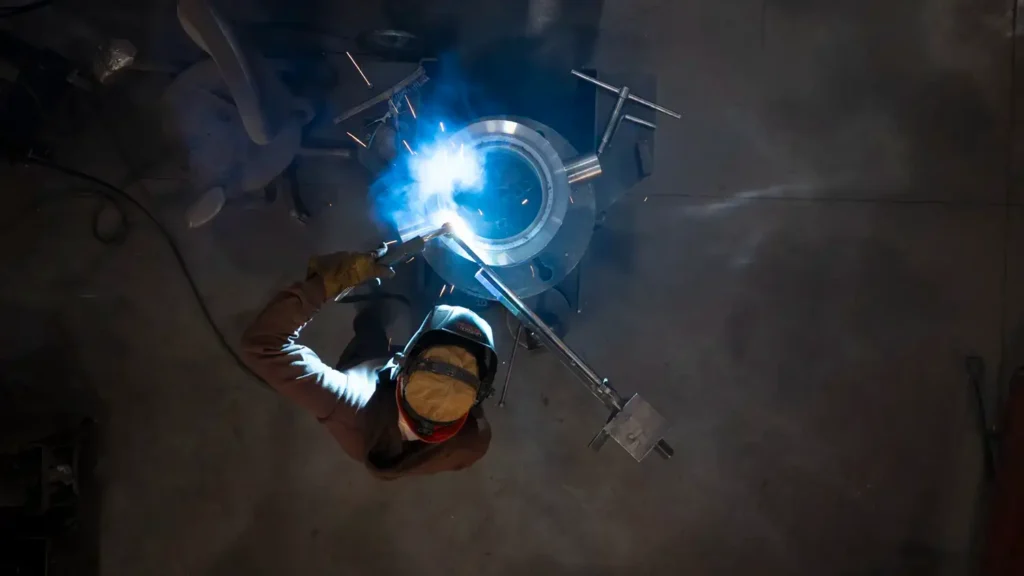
(831, 228)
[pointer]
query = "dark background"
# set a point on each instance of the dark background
(832, 226)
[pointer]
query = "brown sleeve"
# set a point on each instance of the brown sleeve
(270, 349)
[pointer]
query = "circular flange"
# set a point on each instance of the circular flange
(521, 164)
(539, 256)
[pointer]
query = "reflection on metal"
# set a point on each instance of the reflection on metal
(583, 169)
(632, 97)
(557, 232)
(114, 56)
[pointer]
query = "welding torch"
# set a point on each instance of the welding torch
(392, 253)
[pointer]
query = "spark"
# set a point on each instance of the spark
(409, 148)
(443, 288)
(645, 198)
(459, 226)
(442, 126)
(358, 69)
(390, 242)
(480, 211)
(410, 259)
(393, 107)
(525, 200)
(439, 174)
(532, 273)
(571, 200)
(353, 136)
(411, 109)
(389, 342)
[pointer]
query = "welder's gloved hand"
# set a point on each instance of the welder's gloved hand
(343, 270)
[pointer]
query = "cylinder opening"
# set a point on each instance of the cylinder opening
(510, 200)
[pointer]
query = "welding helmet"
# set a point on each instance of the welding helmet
(447, 367)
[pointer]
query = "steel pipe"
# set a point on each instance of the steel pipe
(583, 168)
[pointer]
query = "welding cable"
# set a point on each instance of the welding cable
(116, 197)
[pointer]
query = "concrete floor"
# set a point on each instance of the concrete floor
(835, 223)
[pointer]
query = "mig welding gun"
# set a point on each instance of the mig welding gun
(393, 253)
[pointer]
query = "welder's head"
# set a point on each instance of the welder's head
(448, 368)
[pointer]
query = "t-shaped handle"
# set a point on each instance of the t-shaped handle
(617, 116)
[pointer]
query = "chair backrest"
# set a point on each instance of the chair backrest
(263, 102)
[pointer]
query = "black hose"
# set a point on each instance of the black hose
(116, 196)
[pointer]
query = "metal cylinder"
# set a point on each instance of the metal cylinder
(583, 168)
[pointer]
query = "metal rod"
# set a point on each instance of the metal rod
(582, 169)
(511, 360)
(360, 70)
(639, 121)
(614, 120)
(492, 283)
(632, 97)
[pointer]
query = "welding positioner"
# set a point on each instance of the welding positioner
(634, 424)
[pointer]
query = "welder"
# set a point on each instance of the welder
(412, 412)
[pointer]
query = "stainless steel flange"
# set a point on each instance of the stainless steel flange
(551, 219)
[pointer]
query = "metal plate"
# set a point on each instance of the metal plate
(637, 427)
(554, 245)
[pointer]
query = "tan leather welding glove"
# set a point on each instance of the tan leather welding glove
(343, 270)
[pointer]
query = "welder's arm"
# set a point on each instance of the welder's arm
(270, 346)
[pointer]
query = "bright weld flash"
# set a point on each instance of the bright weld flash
(436, 173)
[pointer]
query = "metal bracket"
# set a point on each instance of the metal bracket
(638, 428)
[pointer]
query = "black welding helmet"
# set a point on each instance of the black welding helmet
(447, 326)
